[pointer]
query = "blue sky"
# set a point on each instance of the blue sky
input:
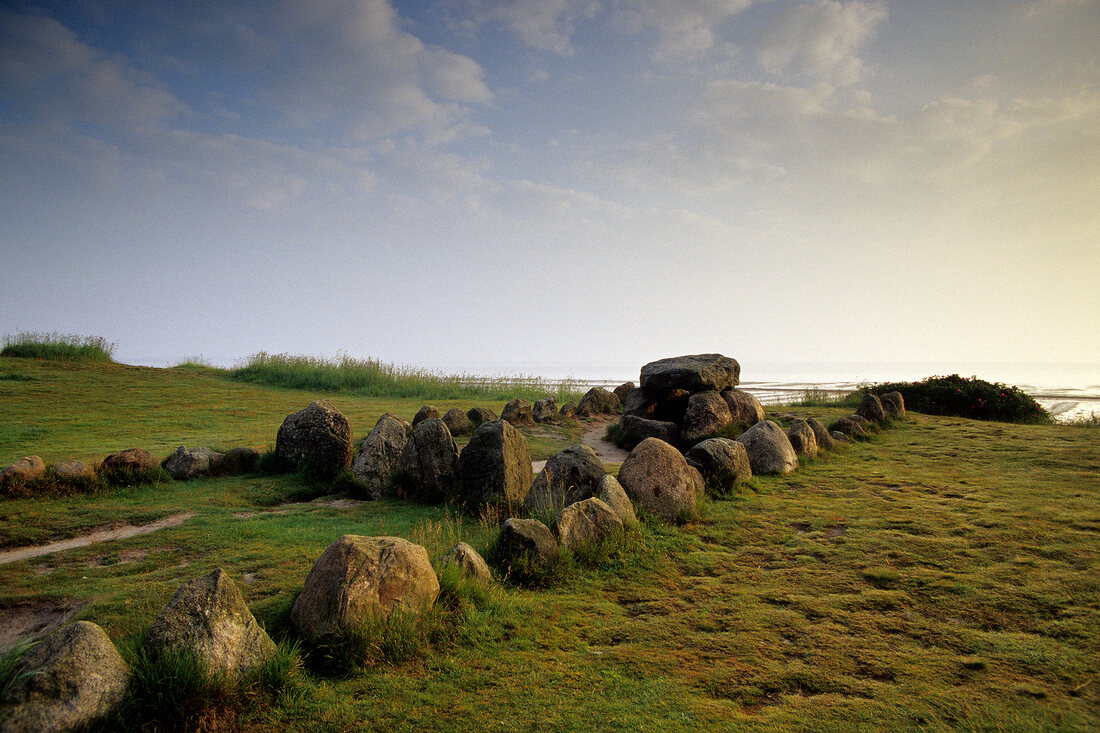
(476, 183)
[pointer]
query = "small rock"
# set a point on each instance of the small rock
(611, 492)
(518, 412)
(72, 470)
(131, 459)
(317, 438)
(871, 408)
(545, 410)
(571, 475)
(824, 440)
(528, 538)
(623, 390)
(598, 401)
(894, 404)
(770, 450)
(25, 469)
(706, 414)
(457, 422)
(568, 410)
(745, 409)
(467, 559)
(724, 463)
(802, 437)
(479, 415)
(239, 460)
(849, 428)
(424, 413)
(587, 522)
(185, 464)
(840, 438)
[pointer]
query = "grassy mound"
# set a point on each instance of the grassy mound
(58, 347)
(967, 397)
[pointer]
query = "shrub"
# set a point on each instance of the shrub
(967, 397)
(58, 347)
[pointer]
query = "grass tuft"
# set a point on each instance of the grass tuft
(12, 669)
(58, 347)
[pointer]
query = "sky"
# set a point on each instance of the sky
(486, 185)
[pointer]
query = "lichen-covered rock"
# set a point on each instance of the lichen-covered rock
(357, 578)
(518, 412)
(72, 470)
(656, 476)
(724, 463)
(623, 390)
(457, 422)
(239, 460)
(744, 408)
(317, 438)
(840, 438)
(569, 476)
(770, 450)
(208, 617)
(467, 559)
(612, 493)
(694, 373)
(379, 456)
(598, 401)
(131, 459)
(527, 539)
(494, 467)
(893, 403)
(870, 407)
(429, 462)
(587, 522)
(850, 428)
(802, 437)
(479, 415)
(424, 413)
(545, 410)
(185, 464)
(869, 426)
(706, 414)
(25, 469)
(568, 410)
(79, 677)
(824, 440)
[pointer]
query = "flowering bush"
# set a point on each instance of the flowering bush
(966, 397)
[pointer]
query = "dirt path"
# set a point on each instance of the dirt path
(103, 535)
(607, 451)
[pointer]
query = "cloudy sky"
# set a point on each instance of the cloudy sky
(487, 183)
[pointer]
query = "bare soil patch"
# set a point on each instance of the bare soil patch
(102, 535)
(34, 617)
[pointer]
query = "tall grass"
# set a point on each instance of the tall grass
(820, 397)
(373, 378)
(59, 347)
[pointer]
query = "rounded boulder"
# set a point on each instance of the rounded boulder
(770, 450)
(656, 476)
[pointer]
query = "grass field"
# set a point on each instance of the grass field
(944, 575)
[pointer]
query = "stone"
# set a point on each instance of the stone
(850, 428)
(424, 413)
(379, 455)
(545, 410)
(457, 422)
(640, 403)
(745, 409)
(706, 414)
(656, 477)
(479, 415)
(239, 460)
(25, 469)
(612, 493)
(358, 578)
(569, 409)
(72, 470)
(79, 677)
(770, 450)
(571, 475)
(208, 616)
(317, 438)
(868, 426)
(723, 463)
(871, 408)
(518, 412)
(185, 464)
(802, 438)
(636, 429)
(429, 462)
(824, 440)
(893, 403)
(494, 467)
(840, 438)
(698, 484)
(467, 559)
(623, 390)
(598, 401)
(528, 538)
(587, 522)
(694, 373)
(131, 459)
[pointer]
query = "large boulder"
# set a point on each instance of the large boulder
(469, 562)
(636, 429)
(518, 412)
(494, 467)
(587, 522)
(358, 578)
(623, 390)
(424, 413)
(571, 475)
(612, 493)
(802, 437)
(479, 415)
(706, 414)
(526, 541)
(457, 422)
(821, 434)
(379, 456)
(769, 449)
(132, 459)
(694, 373)
(317, 439)
(77, 676)
(545, 410)
(870, 407)
(723, 463)
(208, 617)
(656, 476)
(598, 401)
(25, 469)
(744, 407)
(893, 403)
(429, 462)
(185, 464)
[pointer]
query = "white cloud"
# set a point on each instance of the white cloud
(685, 28)
(820, 39)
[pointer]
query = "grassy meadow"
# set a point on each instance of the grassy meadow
(943, 575)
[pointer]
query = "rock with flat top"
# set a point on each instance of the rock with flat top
(636, 429)
(72, 470)
(131, 459)
(694, 373)
(495, 467)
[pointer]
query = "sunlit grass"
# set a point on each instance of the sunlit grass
(58, 347)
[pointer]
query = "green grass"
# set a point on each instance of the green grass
(942, 575)
(58, 347)
(818, 397)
